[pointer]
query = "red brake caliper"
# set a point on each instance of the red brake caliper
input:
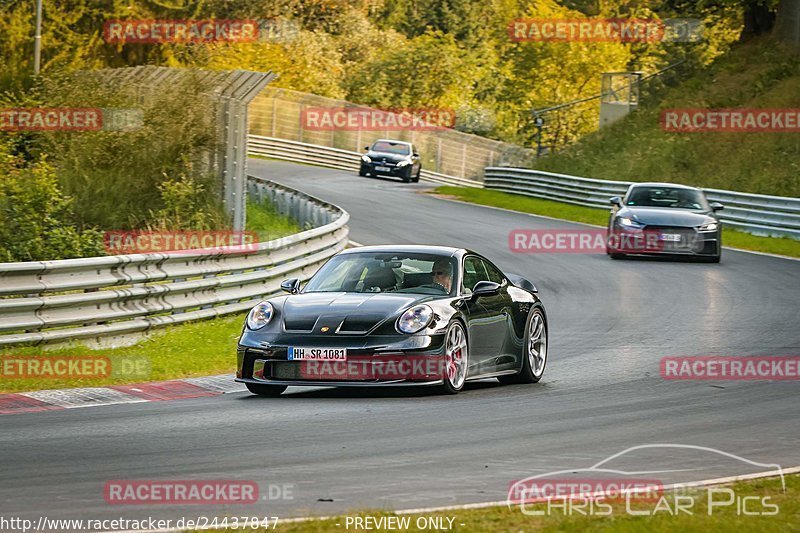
(451, 367)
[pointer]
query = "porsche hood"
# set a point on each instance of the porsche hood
(342, 312)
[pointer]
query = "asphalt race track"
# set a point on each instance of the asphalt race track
(610, 324)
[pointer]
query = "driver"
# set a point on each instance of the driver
(685, 201)
(443, 274)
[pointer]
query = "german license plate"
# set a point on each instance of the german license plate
(382, 169)
(317, 354)
(671, 237)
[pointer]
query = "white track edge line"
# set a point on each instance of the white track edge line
(481, 505)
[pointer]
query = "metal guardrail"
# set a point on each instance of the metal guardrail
(774, 216)
(326, 156)
(759, 214)
(56, 301)
(281, 114)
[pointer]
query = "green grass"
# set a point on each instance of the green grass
(722, 519)
(599, 217)
(758, 74)
(265, 220)
(194, 349)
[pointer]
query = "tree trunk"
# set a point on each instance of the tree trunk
(758, 19)
(787, 23)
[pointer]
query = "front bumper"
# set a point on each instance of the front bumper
(692, 242)
(393, 169)
(395, 383)
(410, 360)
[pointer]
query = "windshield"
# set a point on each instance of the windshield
(667, 197)
(391, 148)
(386, 272)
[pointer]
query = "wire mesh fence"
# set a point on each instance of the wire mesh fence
(280, 113)
(227, 95)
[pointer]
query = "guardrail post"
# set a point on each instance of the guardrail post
(274, 116)
(300, 121)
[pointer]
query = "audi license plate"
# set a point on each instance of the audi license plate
(317, 354)
(382, 169)
(671, 237)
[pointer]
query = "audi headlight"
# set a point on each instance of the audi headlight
(710, 226)
(629, 223)
(403, 163)
(260, 315)
(366, 159)
(414, 319)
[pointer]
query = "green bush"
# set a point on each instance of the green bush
(37, 220)
(187, 206)
(119, 179)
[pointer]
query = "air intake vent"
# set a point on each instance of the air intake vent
(299, 323)
(360, 323)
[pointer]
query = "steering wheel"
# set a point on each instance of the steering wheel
(437, 286)
(376, 288)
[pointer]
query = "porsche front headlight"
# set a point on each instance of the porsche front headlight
(260, 315)
(414, 319)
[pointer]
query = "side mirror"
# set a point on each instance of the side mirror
(485, 288)
(615, 200)
(716, 206)
(522, 283)
(415, 154)
(292, 286)
(366, 148)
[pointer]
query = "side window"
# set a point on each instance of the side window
(474, 271)
(494, 274)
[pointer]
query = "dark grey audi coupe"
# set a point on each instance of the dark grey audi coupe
(394, 316)
(664, 219)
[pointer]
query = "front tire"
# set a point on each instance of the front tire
(456, 359)
(363, 173)
(269, 391)
(416, 178)
(535, 356)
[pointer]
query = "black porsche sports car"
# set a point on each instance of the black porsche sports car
(391, 158)
(664, 219)
(393, 316)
